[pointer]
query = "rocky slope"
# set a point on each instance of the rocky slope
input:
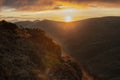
(29, 54)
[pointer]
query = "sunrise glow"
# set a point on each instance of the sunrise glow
(68, 19)
(57, 10)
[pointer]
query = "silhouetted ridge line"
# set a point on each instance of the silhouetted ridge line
(30, 54)
(6, 25)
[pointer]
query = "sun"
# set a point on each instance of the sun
(68, 19)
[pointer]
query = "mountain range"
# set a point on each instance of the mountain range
(93, 42)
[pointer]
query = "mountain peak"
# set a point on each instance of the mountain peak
(6, 25)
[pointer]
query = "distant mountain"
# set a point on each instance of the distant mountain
(57, 30)
(29, 54)
(94, 42)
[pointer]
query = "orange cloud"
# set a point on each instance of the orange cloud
(89, 3)
(37, 5)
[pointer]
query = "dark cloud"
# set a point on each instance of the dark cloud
(26, 4)
(17, 3)
(20, 3)
(1, 2)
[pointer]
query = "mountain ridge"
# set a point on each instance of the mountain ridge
(29, 54)
(93, 42)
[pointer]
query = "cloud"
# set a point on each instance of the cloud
(27, 4)
(1, 2)
(20, 3)
(111, 2)
(106, 3)
(36, 5)
(84, 1)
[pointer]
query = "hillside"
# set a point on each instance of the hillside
(29, 54)
(93, 42)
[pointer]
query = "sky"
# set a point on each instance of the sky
(58, 10)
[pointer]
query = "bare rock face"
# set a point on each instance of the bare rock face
(29, 54)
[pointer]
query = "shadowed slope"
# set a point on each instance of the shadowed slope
(29, 54)
(93, 42)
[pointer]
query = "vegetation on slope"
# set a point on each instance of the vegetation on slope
(29, 54)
